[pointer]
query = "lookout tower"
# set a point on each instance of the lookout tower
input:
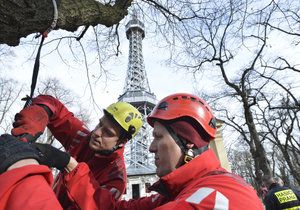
(139, 161)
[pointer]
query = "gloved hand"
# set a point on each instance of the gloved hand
(30, 123)
(13, 150)
(51, 156)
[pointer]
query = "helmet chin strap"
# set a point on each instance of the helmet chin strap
(189, 153)
(108, 152)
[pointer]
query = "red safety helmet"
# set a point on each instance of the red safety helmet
(185, 105)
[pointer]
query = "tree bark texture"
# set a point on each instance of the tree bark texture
(293, 170)
(256, 148)
(19, 18)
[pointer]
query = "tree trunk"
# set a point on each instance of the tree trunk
(23, 17)
(256, 148)
(293, 171)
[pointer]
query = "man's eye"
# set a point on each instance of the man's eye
(156, 136)
(99, 125)
(107, 133)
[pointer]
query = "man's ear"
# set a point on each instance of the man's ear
(190, 145)
(121, 144)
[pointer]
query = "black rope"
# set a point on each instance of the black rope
(34, 75)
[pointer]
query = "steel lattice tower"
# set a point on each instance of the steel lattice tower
(137, 92)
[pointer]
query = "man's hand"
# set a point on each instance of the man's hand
(12, 150)
(51, 156)
(30, 123)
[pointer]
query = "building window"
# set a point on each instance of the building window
(147, 185)
(136, 191)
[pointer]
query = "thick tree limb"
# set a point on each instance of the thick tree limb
(19, 18)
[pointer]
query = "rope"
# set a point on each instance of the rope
(55, 18)
(36, 67)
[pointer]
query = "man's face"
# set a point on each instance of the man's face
(168, 155)
(105, 135)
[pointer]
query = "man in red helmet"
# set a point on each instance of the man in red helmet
(190, 173)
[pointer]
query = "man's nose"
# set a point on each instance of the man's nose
(152, 147)
(97, 132)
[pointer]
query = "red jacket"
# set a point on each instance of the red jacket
(28, 188)
(107, 171)
(199, 184)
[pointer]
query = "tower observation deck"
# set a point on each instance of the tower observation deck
(137, 92)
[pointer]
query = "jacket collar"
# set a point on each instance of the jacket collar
(118, 153)
(173, 183)
(102, 161)
(273, 185)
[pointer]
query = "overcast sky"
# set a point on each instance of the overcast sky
(162, 79)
